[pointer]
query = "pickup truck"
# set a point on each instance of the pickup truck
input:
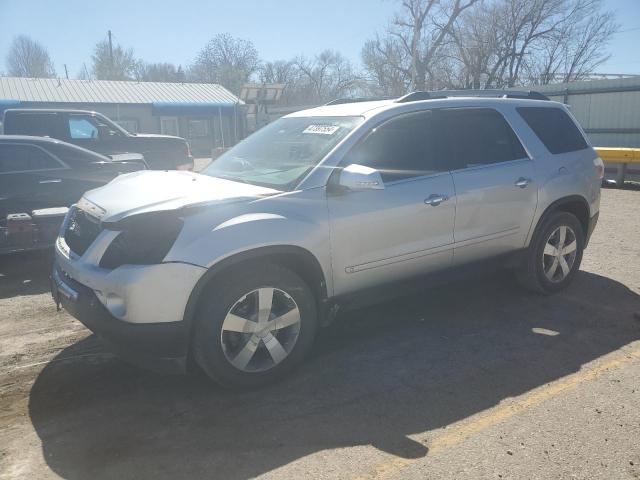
(94, 131)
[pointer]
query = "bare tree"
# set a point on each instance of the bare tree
(278, 71)
(477, 45)
(116, 63)
(326, 77)
(159, 72)
(505, 43)
(577, 47)
(412, 43)
(226, 60)
(383, 61)
(28, 58)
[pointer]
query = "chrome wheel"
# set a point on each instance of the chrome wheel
(559, 253)
(260, 329)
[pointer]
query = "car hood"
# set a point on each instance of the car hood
(149, 191)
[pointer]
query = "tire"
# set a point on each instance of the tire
(534, 273)
(240, 345)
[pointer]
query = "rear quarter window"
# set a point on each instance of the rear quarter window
(24, 158)
(554, 128)
(36, 124)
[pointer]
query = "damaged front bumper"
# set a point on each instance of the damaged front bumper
(136, 309)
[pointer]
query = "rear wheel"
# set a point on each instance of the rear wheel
(555, 254)
(255, 326)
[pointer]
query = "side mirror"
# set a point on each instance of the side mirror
(358, 177)
(104, 131)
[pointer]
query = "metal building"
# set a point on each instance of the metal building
(608, 110)
(207, 115)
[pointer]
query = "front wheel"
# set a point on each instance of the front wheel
(554, 256)
(255, 326)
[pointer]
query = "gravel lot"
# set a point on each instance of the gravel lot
(470, 380)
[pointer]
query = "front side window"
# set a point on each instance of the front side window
(24, 158)
(554, 128)
(400, 148)
(82, 128)
(282, 153)
(478, 136)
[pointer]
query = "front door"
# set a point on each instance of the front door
(90, 132)
(494, 181)
(379, 236)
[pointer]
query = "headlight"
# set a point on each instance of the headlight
(144, 239)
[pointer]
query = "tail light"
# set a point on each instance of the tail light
(188, 164)
(598, 165)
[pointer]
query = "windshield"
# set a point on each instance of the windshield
(282, 153)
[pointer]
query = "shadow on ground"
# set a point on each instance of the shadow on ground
(25, 273)
(386, 372)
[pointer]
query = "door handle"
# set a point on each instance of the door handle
(53, 180)
(522, 182)
(435, 199)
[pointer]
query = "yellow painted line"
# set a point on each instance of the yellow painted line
(482, 421)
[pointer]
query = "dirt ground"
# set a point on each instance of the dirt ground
(471, 380)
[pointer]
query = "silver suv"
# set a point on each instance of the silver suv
(235, 268)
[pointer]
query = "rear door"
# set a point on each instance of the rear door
(494, 182)
(30, 178)
(379, 236)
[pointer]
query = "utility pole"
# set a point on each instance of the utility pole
(110, 54)
(66, 72)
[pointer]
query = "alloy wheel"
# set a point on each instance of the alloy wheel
(559, 253)
(260, 329)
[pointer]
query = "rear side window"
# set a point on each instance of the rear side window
(401, 148)
(478, 136)
(36, 124)
(554, 128)
(23, 158)
(75, 156)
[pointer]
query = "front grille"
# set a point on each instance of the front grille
(82, 229)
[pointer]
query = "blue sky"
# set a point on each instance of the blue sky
(170, 31)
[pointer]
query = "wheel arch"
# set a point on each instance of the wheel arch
(574, 204)
(297, 259)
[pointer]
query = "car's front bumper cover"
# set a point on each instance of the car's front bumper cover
(157, 346)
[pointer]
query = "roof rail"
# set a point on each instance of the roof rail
(492, 93)
(417, 96)
(340, 101)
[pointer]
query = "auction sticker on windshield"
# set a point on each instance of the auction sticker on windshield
(322, 129)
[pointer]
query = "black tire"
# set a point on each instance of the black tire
(222, 295)
(531, 274)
